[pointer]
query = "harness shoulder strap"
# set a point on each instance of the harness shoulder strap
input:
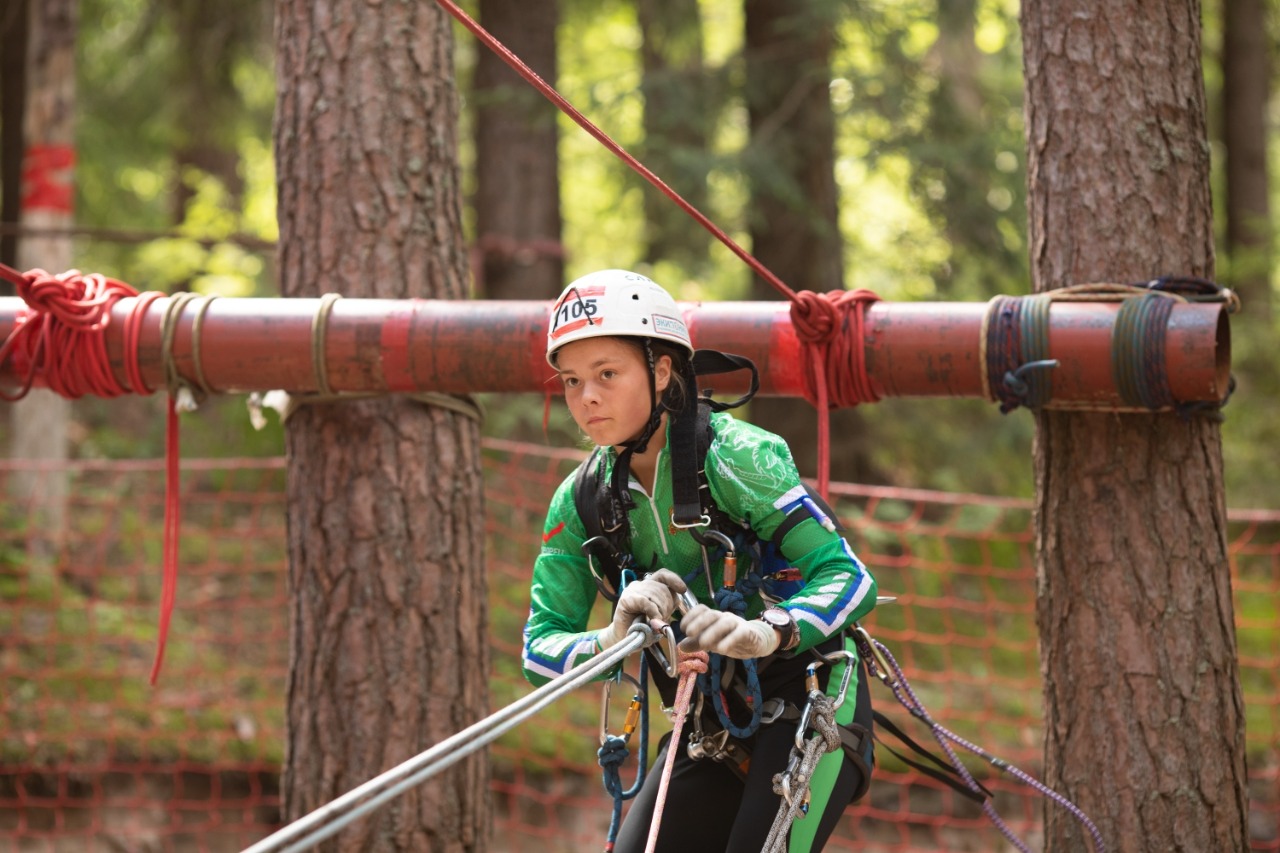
(688, 448)
(588, 480)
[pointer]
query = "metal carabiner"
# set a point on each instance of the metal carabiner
(880, 667)
(730, 574)
(633, 710)
(666, 658)
(603, 584)
(851, 661)
(784, 779)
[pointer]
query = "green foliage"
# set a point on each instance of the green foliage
(931, 175)
(932, 207)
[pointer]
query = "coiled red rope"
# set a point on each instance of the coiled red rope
(62, 338)
(832, 343)
(831, 327)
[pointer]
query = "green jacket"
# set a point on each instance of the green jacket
(754, 480)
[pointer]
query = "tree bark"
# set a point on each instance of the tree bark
(13, 83)
(1135, 612)
(388, 649)
(39, 422)
(678, 117)
(1246, 92)
(794, 218)
(517, 199)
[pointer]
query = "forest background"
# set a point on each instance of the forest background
(847, 144)
(175, 190)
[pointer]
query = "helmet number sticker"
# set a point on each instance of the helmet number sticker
(574, 312)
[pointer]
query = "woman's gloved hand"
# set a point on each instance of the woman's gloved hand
(654, 597)
(726, 634)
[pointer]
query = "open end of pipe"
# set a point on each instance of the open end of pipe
(1222, 354)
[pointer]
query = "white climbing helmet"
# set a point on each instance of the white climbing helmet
(614, 302)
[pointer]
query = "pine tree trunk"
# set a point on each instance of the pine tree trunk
(13, 84)
(38, 423)
(794, 220)
(1144, 711)
(1246, 88)
(678, 116)
(388, 650)
(517, 166)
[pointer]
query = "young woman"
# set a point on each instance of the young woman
(624, 355)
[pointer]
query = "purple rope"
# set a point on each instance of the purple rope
(942, 735)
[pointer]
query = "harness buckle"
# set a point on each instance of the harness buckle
(774, 709)
(702, 521)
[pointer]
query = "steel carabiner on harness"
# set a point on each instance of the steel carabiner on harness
(872, 654)
(664, 650)
(600, 548)
(730, 578)
(632, 719)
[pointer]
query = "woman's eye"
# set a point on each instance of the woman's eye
(569, 381)
(608, 374)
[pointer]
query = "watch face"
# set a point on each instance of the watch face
(777, 617)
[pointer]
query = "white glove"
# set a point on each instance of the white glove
(651, 598)
(726, 634)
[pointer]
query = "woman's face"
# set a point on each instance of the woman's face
(606, 384)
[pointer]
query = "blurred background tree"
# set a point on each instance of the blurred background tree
(927, 167)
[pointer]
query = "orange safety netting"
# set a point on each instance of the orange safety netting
(93, 757)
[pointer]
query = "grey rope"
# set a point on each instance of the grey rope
(184, 396)
(187, 395)
(319, 331)
(197, 360)
(329, 819)
(461, 404)
(793, 783)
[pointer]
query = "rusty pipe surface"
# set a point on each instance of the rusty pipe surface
(911, 349)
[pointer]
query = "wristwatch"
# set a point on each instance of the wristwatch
(788, 632)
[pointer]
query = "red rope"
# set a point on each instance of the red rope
(549, 92)
(691, 665)
(831, 327)
(63, 339)
(838, 343)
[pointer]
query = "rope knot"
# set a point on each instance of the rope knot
(731, 601)
(692, 662)
(612, 753)
(816, 316)
(72, 299)
(831, 328)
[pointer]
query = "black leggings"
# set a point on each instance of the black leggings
(708, 808)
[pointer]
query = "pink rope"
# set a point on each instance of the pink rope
(691, 664)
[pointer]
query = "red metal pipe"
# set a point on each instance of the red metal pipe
(911, 349)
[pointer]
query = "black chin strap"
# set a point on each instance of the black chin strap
(689, 437)
(618, 502)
